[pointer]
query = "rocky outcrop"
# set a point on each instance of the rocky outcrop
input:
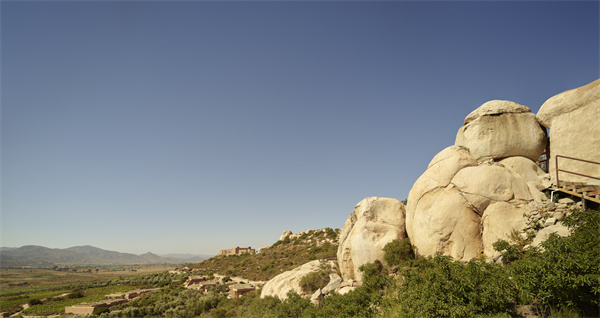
(572, 119)
(282, 284)
(286, 234)
(500, 129)
(374, 222)
(477, 191)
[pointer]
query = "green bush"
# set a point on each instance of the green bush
(292, 307)
(374, 276)
(360, 302)
(313, 281)
(75, 294)
(398, 251)
(34, 301)
(566, 274)
(100, 310)
(441, 287)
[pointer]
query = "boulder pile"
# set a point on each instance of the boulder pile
(482, 189)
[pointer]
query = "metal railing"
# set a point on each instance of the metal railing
(572, 172)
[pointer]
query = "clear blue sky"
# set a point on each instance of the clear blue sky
(196, 126)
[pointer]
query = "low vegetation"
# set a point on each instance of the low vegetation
(47, 299)
(282, 256)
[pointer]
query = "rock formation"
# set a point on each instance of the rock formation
(477, 191)
(283, 283)
(572, 120)
(374, 222)
(285, 235)
(500, 129)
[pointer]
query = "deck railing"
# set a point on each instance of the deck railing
(572, 172)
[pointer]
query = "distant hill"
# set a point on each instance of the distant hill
(39, 256)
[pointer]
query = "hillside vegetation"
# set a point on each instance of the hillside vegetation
(282, 256)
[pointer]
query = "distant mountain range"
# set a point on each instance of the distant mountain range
(39, 256)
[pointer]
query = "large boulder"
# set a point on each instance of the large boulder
(374, 222)
(572, 119)
(443, 222)
(460, 210)
(500, 129)
(529, 170)
(282, 284)
(439, 173)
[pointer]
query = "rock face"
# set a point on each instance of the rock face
(478, 191)
(374, 222)
(463, 209)
(280, 285)
(500, 129)
(572, 119)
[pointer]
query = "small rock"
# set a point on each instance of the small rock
(542, 235)
(550, 222)
(316, 297)
(346, 290)
(566, 201)
(559, 215)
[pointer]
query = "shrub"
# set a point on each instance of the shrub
(313, 281)
(100, 310)
(75, 294)
(331, 233)
(292, 307)
(374, 276)
(515, 251)
(357, 303)
(566, 274)
(398, 251)
(443, 287)
(34, 301)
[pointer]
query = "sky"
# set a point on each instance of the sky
(195, 126)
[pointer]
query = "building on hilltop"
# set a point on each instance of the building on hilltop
(237, 251)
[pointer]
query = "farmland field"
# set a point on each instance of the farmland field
(53, 290)
(25, 280)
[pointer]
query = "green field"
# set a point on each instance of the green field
(51, 287)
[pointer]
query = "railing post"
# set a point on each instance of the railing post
(556, 168)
